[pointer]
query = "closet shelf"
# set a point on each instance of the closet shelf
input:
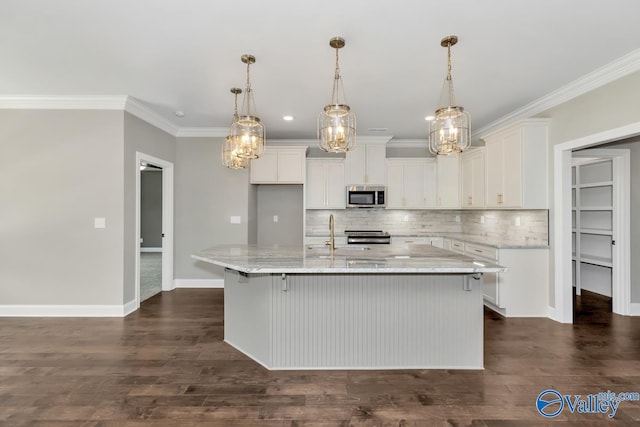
(596, 184)
(599, 231)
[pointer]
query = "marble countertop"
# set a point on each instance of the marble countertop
(411, 258)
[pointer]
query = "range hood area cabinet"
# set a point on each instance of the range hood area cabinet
(516, 166)
(365, 165)
(325, 186)
(411, 183)
(279, 165)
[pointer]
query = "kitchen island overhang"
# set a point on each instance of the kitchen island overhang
(409, 307)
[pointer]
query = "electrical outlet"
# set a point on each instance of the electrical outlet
(405, 218)
(517, 221)
(275, 218)
(481, 219)
(457, 218)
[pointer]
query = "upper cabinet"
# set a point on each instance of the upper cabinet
(411, 183)
(472, 176)
(325, 187)
(365, 165)
(448, 181)
(279, 165)
(516, 160)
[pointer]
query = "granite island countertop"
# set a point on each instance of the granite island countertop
(413, 258)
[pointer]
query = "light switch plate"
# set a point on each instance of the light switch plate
(235, 220)
(99, 223)
(275, 218)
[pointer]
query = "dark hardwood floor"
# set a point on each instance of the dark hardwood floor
(166, 365)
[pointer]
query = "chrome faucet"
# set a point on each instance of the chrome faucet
(332, 240)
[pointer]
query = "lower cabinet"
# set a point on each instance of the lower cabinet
(433, 241)
(520, 291)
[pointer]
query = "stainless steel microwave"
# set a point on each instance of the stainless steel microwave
(366, 196)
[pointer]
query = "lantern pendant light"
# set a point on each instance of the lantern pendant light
(247, 130)
(337, 123)
(230, 146)
(450, 130)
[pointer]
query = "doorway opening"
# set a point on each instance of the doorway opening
(563, 230)
(154, 227)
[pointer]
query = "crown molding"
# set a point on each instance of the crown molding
(59, 102)
(408, 143)
(613, 71)
(202, 132)
(143, 112)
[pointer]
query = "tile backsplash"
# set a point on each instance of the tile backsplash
(526, 225)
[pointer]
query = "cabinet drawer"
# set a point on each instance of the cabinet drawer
(457, 246)
(487, 252)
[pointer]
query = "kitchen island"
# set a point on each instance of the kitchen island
(391, 307)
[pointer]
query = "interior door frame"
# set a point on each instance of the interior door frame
(562, 154)
(167, 222)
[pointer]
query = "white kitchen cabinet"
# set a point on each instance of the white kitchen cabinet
(520, 291)
(433, 241)
(279, 165)
(448, 181)
(325, 186)
(516, 160)
(472, 177)
(411, 183)
(365, 165)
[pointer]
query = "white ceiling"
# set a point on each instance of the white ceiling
(185, 55)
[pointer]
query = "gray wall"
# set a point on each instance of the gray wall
(145, 138)
(608, 107)
(151, 208)
(285, 201)
(60, 169)
(207, 194)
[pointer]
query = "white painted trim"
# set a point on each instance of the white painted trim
(635, 309)
(143, 112)
(561, 231)
(552, 313)
(130, 307)
(66, 310)
(203, 132)
(57, 102)
(167, 223)
(150, 249)
(615, 70)
(199, 283)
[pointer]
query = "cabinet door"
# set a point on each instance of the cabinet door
(472, 177)
(467, 181)
(490, 288)
(316, 184)
(395, 185)
(430, 188)
(413, 177)
(336, 197)
(512, 169)
(265, 169)
(375, 164)
(448, 182)
(354, 163)
(494, 160)
(291, 167)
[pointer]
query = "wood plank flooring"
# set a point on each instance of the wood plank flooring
(167, 365)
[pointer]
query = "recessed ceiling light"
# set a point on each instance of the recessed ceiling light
(288, 118)
(429, 118)
(179, 113)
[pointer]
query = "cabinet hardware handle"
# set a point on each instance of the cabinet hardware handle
(469, 199)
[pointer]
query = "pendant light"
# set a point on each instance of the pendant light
(248, 130)
(450, 130)
(230, 146)
(337, 123)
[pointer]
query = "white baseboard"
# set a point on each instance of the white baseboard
(67, 310)
(129, 307)
(635, 309)
(199, 283)
(150, 249)
(552, 313)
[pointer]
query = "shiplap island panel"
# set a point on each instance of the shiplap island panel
(398, 307)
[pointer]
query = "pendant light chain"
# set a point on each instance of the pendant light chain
(452, 96)
(336, 81)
